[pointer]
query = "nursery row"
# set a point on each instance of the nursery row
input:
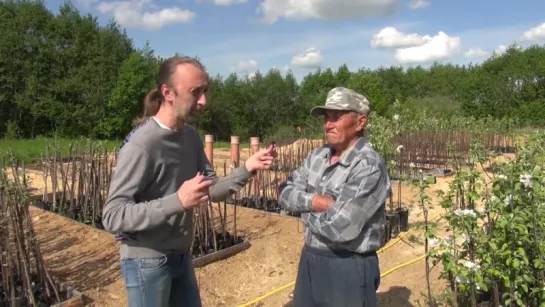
(263, 203)
(493, 254)
(24, 278)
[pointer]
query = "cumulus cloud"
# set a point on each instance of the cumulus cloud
(536, 33)
(250, 65)
(311, 58)
(131, 14)
(251, 75)
(247, 68)
(414, 48)
(418, 4)
(272, 10)
(475, 53)
(390, 37)
(438, 47)
(501, 49)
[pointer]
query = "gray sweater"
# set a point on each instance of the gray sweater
(143, 207)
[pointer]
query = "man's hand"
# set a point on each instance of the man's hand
(320, 203)
(261, 160)
(194, 191)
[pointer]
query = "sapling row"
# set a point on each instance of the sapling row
(79, 181)
(429, 150)
(494, 254)
(24, 278)
(79, 189)
(292, 156)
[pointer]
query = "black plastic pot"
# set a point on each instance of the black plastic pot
(42, 205)
(387, 232)
(403, 215)
(483, 298)
(393, 219)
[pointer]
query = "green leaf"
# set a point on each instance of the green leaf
(516, 263)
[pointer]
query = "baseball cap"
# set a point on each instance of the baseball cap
(343, 99)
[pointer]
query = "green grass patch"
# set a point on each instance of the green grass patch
(224, 145)
(31, 151)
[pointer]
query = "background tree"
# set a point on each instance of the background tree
(66, 74)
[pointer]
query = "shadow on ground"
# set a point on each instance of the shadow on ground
(252, 231)
(83, 266)
(395, 297)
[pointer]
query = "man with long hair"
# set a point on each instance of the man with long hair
(162, 175)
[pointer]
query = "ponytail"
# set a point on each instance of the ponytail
(152, 102)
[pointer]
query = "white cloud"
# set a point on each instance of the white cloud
(272, 10)
(390, 37)
(250, 75)
(247, 69)
(437, 48)
(267, 45)
(418, 4)
(131, 14)
(245, 66)
(311, 58)
(475, 53)
(501, 49)
(536, 33)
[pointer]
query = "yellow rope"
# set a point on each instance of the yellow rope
(385, 247)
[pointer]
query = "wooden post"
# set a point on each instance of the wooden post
(235, 151)
(209, 148)
(254, 147)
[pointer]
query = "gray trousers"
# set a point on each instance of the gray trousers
(336, 279)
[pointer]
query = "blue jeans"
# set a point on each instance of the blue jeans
(166, 281)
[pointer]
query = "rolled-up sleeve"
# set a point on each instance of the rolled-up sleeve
(359, 199)
(293, 195)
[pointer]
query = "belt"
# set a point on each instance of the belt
(337, 253)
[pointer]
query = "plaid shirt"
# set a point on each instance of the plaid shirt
(360, 185)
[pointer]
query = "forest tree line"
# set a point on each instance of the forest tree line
(66, 74)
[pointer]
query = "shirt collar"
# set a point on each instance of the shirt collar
(349, 155)
(161, 124)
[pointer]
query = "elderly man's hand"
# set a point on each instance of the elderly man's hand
(320, 203)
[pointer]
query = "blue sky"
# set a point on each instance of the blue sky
(247, 35)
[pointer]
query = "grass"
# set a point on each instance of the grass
(224, 145)
(30, 151)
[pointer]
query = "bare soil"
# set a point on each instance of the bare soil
(87, 258)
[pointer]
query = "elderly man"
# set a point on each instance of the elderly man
(340, 190)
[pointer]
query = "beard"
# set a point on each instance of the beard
(192, 116)
(188, 110)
